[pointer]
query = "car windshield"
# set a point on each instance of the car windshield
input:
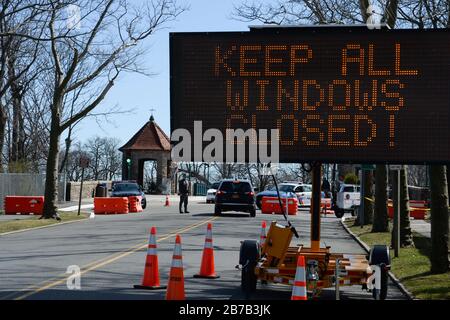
(286, 187)
(215, 185)
(233, 186)
(348, 189)
(307, 188)
(126, 187)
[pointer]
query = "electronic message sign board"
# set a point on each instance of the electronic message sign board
(335, 94)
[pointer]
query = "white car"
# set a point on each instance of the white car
(211, 192)
(347, 198)
(304, 194)
(302, 191)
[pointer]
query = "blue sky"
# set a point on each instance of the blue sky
(133, 91)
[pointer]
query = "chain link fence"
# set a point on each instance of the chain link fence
(24, 184)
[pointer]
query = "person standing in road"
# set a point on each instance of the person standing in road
(183, 191)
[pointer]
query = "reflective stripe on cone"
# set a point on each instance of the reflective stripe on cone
(150, 279)
(207, 265)
(299, 286)
(175, 288)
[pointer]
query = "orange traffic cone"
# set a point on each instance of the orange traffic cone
(299, 288)
(207, 267)
(167, 201)
(151, 273)
(175, 288)
(262, 237)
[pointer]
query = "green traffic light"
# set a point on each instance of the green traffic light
(128, 160)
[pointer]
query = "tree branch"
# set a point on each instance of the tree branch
(91, 107)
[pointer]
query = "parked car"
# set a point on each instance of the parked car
(302, 191)
(211, 192)
(348, 197)
(126, 189)
(235, 195)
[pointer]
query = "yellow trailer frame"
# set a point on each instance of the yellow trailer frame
(278, 262)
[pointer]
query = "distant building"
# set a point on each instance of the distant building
(150, 143)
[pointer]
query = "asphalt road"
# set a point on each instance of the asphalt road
(110, 251)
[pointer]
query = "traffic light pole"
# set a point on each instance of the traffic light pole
(129, 168)
(81, 190)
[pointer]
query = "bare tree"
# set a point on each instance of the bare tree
(17, 56)
(112, 158)
(406, 239)
(418, 175)
(94, 150)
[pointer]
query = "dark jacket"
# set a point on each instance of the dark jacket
(183, 187)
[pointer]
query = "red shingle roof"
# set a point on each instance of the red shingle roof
(149, 137)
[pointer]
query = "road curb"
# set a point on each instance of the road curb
(367, 249)
(42, 227)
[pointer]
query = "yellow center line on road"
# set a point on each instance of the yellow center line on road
(101, 262)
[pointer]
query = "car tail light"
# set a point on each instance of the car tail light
(220, 192)
(250, 193)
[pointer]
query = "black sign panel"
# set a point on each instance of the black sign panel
(335, 94)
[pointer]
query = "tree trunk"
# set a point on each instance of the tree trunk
(381, 218)
(448, 172)
(66, 152)
(406, 239)
(2, 134)
(440, 260)
(51, 181)
(368, 197)
(394, 184)
(17, 143)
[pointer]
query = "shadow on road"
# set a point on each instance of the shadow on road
(225, 215)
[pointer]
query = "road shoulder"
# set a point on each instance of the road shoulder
(367, 249)
(33, 223)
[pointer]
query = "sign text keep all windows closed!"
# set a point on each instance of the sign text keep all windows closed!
(336, 95)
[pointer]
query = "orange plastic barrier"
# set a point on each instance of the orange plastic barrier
(417, 209)
(271, 205)
(135, 203)
(326, 203)
(24, 205)
(111, 205)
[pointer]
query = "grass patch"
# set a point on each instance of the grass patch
(412, 267)
(34, 222)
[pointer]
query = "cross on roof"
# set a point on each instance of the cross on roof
(151, 116)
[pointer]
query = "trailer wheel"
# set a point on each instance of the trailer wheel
(384, 287)
(339, 213)
(249, 254)
(379, 255)
(248, 278)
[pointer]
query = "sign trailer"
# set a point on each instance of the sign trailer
(336, 95)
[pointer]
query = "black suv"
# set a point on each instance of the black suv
(235, 195)
(126, 189)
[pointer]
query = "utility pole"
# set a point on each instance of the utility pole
(84, 163)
